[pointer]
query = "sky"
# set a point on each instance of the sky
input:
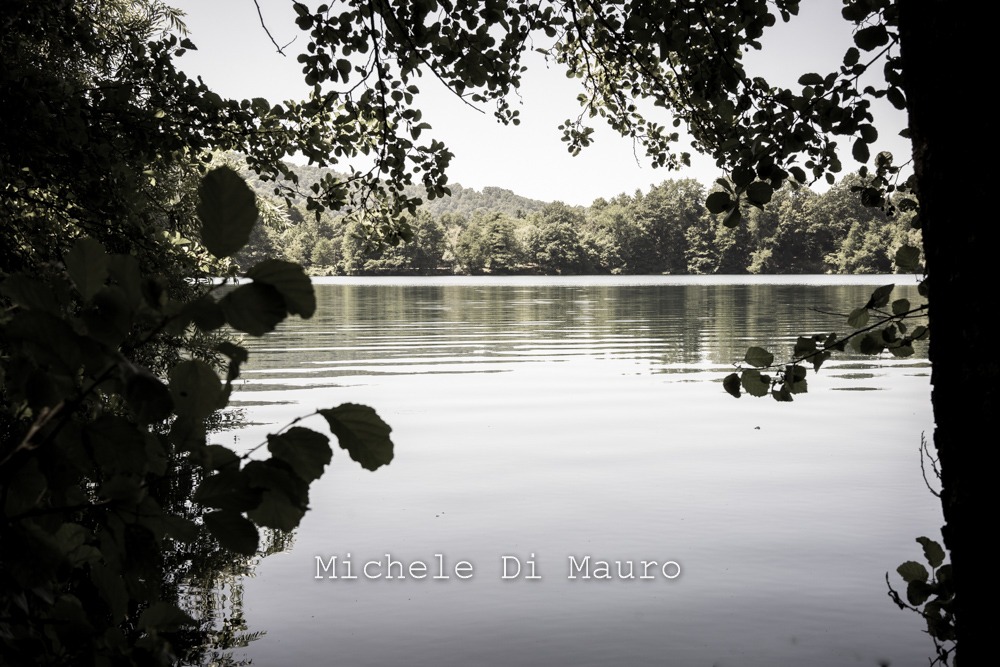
(236, 58)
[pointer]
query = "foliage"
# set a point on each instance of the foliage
(96, 443)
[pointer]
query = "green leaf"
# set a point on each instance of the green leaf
(858, 318)
(731, 383)
(164, 617)
(907, 258)
(743, 176)
(851, 57)
(87, 264)
(227, 209)
(362, 433)
(255, 308)
(759, 357)
(227, 490)
(912, 571)
(900, 306)
(818, 359)
(195, 389)
(871, 37)
(233, 531)
(733, 218)
(917, 592)
(304, 450)
(782, 395)
(754, 383)
(277, 511)
(759, 193)
(860, 151)
(932, 551)
(291, 282)
(811, 79)
(718, 202)
(880, 297)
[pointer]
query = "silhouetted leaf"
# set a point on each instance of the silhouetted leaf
(255, 308)
(754, 383)
(858, 318)
(362, 433)
(731, 383)
(87, 264)
(277, 511)
(195, 389)
(759, 193)
(304, 450)
(291, 282)
(880, 297)
(164, 617)
(912, 571)
(932, 551)
(227, 208)
(233, 531)
(718, 202)
(907, 258)
(759, 357)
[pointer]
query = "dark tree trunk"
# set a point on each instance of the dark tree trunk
(948, 127)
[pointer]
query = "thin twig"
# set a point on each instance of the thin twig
(281, 49)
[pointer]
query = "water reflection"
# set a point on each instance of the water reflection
(576, 417)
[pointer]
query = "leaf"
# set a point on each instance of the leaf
(87, 264)
(880, 297)
(851, 57)
(912, 571)
(759, 357)
(811, 79)
(871, 37)
(782, 395)
(291, 282)
(907, 258)
(362, 433)
(195, 389)
(900, 306)
(759, 193)
(754, 383)
(860, 151)
(743, 176)
(917, 592)
(304, 450)
(718, 202)
(255, 308)
(932, 551)
(733, 218)
(233, 531)
(164, 617)
(731, 383)
(277, 511)
(227, 209)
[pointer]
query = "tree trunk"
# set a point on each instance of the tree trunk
(960, 243)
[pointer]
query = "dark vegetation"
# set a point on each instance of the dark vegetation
(110, 219)
(666, 230)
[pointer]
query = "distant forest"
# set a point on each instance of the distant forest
(665, 231)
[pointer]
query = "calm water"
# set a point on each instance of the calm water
(586, 416)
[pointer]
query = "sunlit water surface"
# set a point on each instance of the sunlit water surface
(585, 416)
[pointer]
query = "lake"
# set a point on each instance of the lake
(549, 419)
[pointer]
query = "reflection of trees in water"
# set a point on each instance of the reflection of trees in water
(670, 327)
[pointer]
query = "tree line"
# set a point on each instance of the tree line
(665, 231)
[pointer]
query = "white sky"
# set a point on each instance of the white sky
(236, 59)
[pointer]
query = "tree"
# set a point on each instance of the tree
(364, 60)
(112, 220)
(686, 56)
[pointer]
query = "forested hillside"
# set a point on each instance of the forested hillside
(667, 230)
